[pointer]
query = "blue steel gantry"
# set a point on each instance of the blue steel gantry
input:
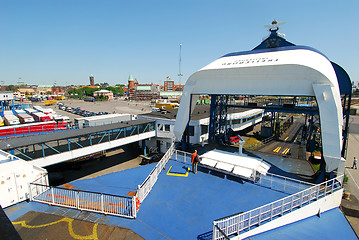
(48, 149)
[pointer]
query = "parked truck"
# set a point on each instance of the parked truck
(41, 117)
(106, 119)
(31, 111)
(166, 105)
(11, 120)
(19, 111)
(50, 102)
(25, 118)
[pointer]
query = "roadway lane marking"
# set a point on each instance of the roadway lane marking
(286, 151)
(286, 138)
(353, 178)
(277, 149)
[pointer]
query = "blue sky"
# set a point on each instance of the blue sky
(64, 41)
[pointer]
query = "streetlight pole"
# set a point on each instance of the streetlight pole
(180, 74)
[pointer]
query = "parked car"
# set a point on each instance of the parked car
(151, 158)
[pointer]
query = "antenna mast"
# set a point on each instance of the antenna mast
(180, 73)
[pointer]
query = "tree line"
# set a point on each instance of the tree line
(88, 92)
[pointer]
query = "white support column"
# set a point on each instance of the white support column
(240, 147)
(331, 122)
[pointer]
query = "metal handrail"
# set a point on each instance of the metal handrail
(78, 190)
(255, 217)
(290, 179)
(117, 205)
(145, 188)
(223, 233)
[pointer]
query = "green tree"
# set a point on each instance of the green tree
(101, 97)
(12, 88)
(87, 91)
(115, 90)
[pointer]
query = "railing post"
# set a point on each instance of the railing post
(271, 212)
(214, 237)
(301, 199)
(238, 224)
(52, 195)
(102, 209)
(325, 189)
(134, 208)
(318, 189)
(249, 221)
(30, 192)
(77, 200)
(259, 216)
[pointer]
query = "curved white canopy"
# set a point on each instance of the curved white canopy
(286, 71)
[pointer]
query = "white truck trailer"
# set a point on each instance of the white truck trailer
(106, 119)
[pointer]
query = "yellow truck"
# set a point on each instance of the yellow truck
(163, 106)
(59, 97)
(50, 102)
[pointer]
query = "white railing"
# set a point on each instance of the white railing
(182, 156)
(38, 186)
(238, 223)
(282, 183)
(145, 188)
(270, 180)
(123, 206)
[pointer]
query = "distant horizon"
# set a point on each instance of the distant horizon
(126, 84)
(64, 42)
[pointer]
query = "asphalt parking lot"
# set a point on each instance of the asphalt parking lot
(114, 106)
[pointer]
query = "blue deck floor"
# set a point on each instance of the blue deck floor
(180, 207)
(330, 225)
(117, 183)
(184, 207)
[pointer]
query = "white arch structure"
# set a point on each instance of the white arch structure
(285, 71)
